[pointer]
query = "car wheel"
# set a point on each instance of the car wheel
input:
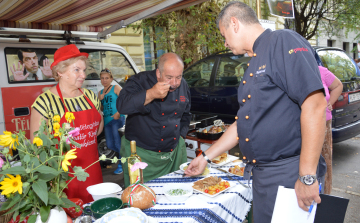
(102, 148)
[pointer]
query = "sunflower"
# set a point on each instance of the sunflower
(11, 185)
(68, 156)
(69, 117)
(56, 118)
(9, 140)
(37, 141)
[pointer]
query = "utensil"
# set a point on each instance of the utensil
(228, 175)
(103, 206)
(85, 219)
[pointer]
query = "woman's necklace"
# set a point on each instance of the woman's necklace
(108, 89)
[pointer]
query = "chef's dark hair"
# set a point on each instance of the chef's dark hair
(20, 53)
(165, 57)
(239, 10)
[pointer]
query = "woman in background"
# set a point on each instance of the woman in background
(332, 83)
(112, 118)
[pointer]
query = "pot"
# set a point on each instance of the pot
(57, 215)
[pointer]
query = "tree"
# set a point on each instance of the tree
(329, 16)
(191, 33)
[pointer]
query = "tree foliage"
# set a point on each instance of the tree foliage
(191, 32)
(329, 17)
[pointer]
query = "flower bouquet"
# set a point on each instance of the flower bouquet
(34, 184)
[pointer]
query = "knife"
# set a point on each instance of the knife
(228, 175)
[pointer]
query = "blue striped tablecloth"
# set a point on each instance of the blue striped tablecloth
(230, 206)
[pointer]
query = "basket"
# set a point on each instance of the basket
(7, 217)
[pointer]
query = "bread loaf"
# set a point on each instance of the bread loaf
(141, 197)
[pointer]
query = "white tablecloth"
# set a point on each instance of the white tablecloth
(230, 206)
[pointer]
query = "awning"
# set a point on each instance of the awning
(81, 15)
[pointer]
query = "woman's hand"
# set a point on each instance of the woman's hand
(116, 116)
(329, 106)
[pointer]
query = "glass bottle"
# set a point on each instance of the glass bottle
(131, 161)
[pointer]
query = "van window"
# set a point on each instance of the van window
(338, 63)
(231, 70)
(199, 74)
(29, 64)
(112, 60)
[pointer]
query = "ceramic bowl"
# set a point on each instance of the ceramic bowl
(178, 198)
(103, 190)
(125, 215)
(103, 206)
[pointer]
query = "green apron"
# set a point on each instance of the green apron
(159, 163)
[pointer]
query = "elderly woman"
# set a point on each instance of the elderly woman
(68, 69)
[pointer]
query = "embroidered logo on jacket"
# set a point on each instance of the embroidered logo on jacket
(182, 98)
(298, 50)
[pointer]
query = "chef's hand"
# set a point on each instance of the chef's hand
(116, 116)
(196, 167)
(307, 194)
(18, 72)
(160, 90)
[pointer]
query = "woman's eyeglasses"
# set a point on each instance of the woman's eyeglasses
(106, 70)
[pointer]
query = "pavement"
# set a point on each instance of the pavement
(346, 175)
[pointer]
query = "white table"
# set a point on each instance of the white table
(230, 206)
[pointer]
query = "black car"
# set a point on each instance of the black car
(214, 81)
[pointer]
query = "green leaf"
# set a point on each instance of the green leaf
(46, 169)
(80, 173)
(44, 213)
(34, 162)
(67, 203)
(47, 176)
(14, 170)
(43, 156)
(27, 158)
(9, 203)
(53, 162)
(78, 145)
(24, 214)
(40, 189)
(32, 219)
(54, 200)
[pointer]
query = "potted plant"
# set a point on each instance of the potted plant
(34, 184)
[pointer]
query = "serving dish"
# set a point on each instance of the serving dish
(232, 184)
(204, 174)
(103, 190)
(227, 167)
(135, 213)
(177, 186)
(229, 159)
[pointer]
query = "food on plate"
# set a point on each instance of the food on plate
(177, 192)
(237, 170)
(220, 159)
(211, 185)
(142, 197)
(206, 171)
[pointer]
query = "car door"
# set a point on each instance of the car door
(228, 75)
(198, 78)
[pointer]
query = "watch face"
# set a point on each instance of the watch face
(308, 180)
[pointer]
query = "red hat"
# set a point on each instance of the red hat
(66, 52)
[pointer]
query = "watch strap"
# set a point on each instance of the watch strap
(303, 179)
(205, 157)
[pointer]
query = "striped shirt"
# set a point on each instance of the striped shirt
(49, 104)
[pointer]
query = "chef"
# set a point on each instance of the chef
(158, 107)
(280, 124)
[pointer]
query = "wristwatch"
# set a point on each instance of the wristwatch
(307, 179)
(205, 157)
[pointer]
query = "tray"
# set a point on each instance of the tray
(229, 159)
(209, 136)
(232, 184)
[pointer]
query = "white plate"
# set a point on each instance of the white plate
(229, 159)
(241, 164)
(232, 184)
(132, 212)
(124, 219)
(182, 166)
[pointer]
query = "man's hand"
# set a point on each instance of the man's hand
(19, 72)
(307, 194)
(196, 167)
(46, 68)
(116, 116)
(160, 90)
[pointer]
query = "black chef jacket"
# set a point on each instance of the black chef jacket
(158, 125)
(280, 75)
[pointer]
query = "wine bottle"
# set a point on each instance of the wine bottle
(131, 161)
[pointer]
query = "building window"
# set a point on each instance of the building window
(346, 47)
(330, 43)
(355, 50)
(150, 52)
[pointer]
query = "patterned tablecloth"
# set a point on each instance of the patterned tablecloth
(230, 206)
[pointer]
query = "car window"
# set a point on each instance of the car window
(199, 74)
(338, 63)
(231, 70)
(29, 64)
(114, 61)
